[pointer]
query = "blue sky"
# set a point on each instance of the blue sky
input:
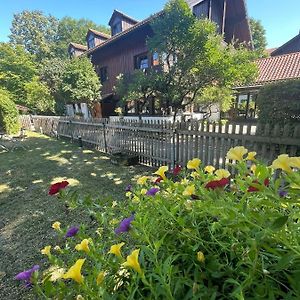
(280, 18)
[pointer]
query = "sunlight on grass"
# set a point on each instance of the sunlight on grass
(87, 151)
(65, 151)
(4, 188)
(72, 181)
(38, 181)
(60, 160)
(103, 157)
(93, 174)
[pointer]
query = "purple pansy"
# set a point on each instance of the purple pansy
(124, 225)
(71, 231)
(26, 275)
(128, 188)
(152, 191)
(282, 193)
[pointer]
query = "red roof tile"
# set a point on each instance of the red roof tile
(279, 67)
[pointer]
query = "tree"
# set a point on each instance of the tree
(38, 97)
(51, 74)
(72, 30)
(80, 82)
(17, 67)
(279, 103)
(35, 31)
(193, 58)
(9, 115)
(258, 36)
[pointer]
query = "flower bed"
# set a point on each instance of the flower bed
(192, 233)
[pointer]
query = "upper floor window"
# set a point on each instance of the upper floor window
(103, 74)
(201, 9)
(117, 28)
(91, 41)
(141, 61)
(155, 59)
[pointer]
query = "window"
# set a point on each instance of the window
(91, 41)
(103, 74)
(72, 52)
(116, 28)
(141, 62)
(155, 59)
(200, 10)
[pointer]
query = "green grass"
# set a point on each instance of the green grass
(26, 210)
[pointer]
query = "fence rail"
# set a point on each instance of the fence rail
(163, 143)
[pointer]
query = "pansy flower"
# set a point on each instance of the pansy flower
(26, 275)
(133, 261)
(116, 249)
(158, 180)
(124, 225)
(236, 153)
(194, 164)
(128, 188)
(161, 172)
(152, 191)
(212, 185)
(56, 187)
(255, 189)
(75, 271)
(72, 231)
(177, 170)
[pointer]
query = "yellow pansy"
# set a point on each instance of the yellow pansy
(56, 273)
(75, 271)
(135, 199)
(195, 175)
(209, 169)
(222, 173)
(194, 164)
(253, 168)
(200, 257)
(189, 190)
(83, 246)
(100, 277)
(142, 180)
(295, 162)
(236, 153)
(251, 155)
(114, 204)
(161, 172)
(184, 181)
(143, 191)
(132, 261)
(128, 194)
(56, 225)
(46, 250)
(282, 162)
(116, 249)
(57, 248)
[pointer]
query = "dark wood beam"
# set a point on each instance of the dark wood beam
(224, 15)
(209, 10)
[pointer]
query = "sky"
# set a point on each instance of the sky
(281, 19)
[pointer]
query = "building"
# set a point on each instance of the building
(283, 64)
(126, 50)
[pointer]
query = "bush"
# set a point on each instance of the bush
(279, 102)
(9, 115)
(197, 233)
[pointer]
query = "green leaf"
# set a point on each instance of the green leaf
(279, 223)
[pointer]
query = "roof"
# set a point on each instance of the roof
(125, 32)
(271, 50)
(117, 12)
(78, 46)
(288, 43)
(98, 33)
(277, 68)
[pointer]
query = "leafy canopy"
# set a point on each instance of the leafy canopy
(193, 57)
(258, 36)
(17, 68)
(279, 103)
(80, 82)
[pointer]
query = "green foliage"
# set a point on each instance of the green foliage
(17, 67)
(38, 97)
(51, 73)
(80, 82)
(35, 31)
(193, 57)
(258, 36)
(72, 30)
(9, 115)
(236, 241)
(279, 103)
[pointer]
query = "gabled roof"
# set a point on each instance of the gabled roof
(125, 32)
(78, 46)
(271, 50)
(277, 68)
(122, 15)
(98, 33)
(286, 45)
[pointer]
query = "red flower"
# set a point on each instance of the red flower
(255, 189)
(177, 170)
(158, 180)
(217, 183)
(56, 187)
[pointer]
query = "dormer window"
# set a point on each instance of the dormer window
(117, 28)
(91, 41)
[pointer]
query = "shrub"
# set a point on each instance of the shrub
(196, 233)
(279, 102)
(9, 115)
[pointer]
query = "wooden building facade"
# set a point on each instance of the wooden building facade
(126, 50)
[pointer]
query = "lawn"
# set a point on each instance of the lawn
(26, 210)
